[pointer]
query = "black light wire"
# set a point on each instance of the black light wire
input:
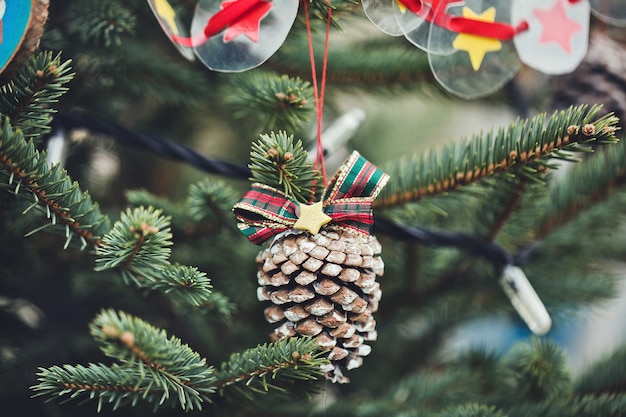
(157, 145)
(176, 151)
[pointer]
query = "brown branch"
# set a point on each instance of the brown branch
(509, 208)
(27, 182)
(220, 385)
(561, 217)
(26, 101)
(102, 387)
(514, 159)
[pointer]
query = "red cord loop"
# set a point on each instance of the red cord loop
(318, 91)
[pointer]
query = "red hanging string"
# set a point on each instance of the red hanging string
(318, 91)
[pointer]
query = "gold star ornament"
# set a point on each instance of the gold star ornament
(477, 46)
(311, 217)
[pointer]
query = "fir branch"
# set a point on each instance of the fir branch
(472, 410)
(139, 246)
(589, 183)
(153, 368)
(587, 406)
(425, 392)
(115, 385)
(52, 191)
(273, 366)
(319, 10)
(101, 23)
(539, 370)
(26, 99)
(210, 200)
(207, 208)
(270, 100)
(523, 149)
(137, 344)
(395, 64)
(607, 375)
(156, 369)
(139, 242)
(134, 74)
(280, 163)
(183, 284)
(144, 198)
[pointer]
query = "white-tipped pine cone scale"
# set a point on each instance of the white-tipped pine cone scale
(320, 274)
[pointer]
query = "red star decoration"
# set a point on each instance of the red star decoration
(249, 24)
(557, 27)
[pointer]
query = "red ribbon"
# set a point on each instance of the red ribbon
(264, 212)
(230, 13)
(436, 13)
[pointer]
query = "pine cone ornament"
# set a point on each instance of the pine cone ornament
(324, 286)
(320, 270)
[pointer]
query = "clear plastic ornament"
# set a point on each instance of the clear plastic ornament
(380, 13)
(414, 27)
(171, 25)
(479, 65)
(612, 12)
(243, 45)
(417, 28)
(557, 37)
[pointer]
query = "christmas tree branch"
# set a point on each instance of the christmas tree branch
(139, 246)
(587, 184)
(395, 64)
(100, 23)
(157, 369)
(27, 172)
(152, 368)
(272, 366)
(27, 98)
(270, 100)
(608, 375)
(587, 406)
(207, 208)
(523, 149)
(509, 207)
(278, 161)
(115, 384)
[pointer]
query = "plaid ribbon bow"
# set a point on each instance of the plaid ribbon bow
(264, 211)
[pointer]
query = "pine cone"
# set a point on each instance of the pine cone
(324, 286)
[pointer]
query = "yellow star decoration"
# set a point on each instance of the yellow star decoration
(311, 217)
(477, 46)
(401, 6)
(167, 13)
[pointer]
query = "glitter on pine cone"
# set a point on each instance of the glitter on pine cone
(324, 286)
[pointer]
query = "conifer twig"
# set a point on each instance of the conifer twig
(523, 150)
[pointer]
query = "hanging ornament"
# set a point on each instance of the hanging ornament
(380, 13)
(248, 39)
(557, 36)
(229, 35)
(416, 18)
(481, 62)
(475, 46)
(171, 25)
(320, 270)
(612, 12)
(21, 25)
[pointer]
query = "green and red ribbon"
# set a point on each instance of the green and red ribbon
(263, 212)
